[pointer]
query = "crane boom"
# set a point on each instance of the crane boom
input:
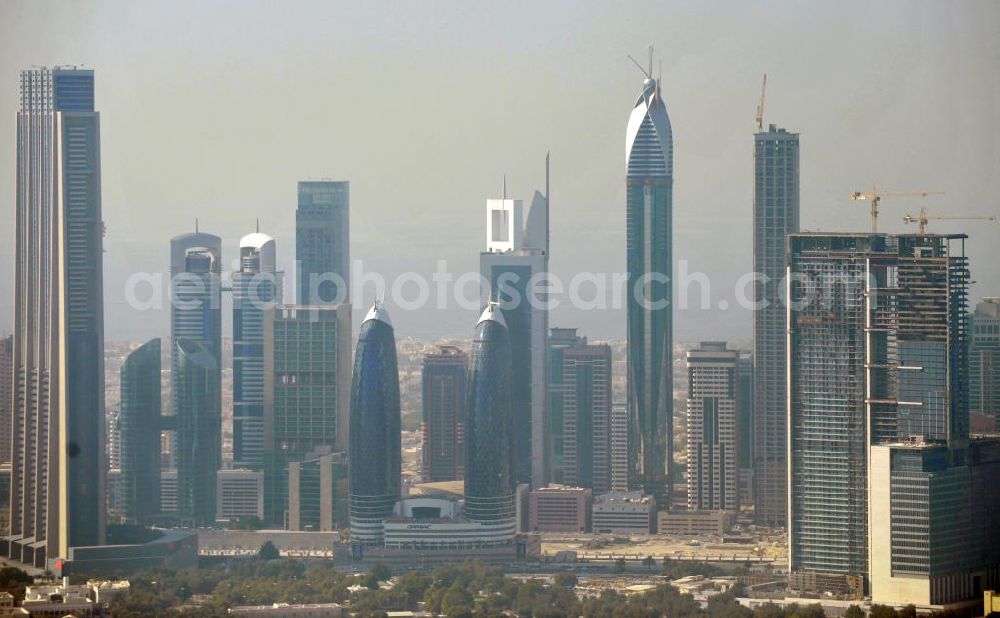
(876, 196)
(922, 219)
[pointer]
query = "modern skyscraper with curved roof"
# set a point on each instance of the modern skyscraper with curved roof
(139, 426)
(649, 229)
(375, 465)
(489, 425)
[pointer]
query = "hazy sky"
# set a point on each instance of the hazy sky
(215, 110)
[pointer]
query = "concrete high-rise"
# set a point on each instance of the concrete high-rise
(6, 396)
(195, 303)
(984, 359)
(516, 250)
(139, 424)
(257, 285)
(375, 458)
(619, 447)
(649, 166)
(712, 447)
(744, 428)
(322, 243)
(775, 216)
(579, 411)
(876, 354)
(307, 391)
(199, 432)
(57, 449)
(443, 423)
(489, 438)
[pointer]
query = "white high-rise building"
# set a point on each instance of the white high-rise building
(619, 447)
(712, 452)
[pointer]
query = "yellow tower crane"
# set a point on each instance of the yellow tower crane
(922, 220)
(875, 196)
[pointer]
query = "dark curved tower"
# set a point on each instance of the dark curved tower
(374, 428)
(489, 452)
(139, 430)
(199, 432)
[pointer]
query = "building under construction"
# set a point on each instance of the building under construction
(877, 352)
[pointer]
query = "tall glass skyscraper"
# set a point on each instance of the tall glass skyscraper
(195, 303)
(443, 423)
(139, 424)
(984, 359)
(256, 286)
(322, 243)
(876, 352)
(489, 441)
(517, 250)
(57, 471)
(199, 432)
(307, 392)
(375, 464)
(649, 164)
(775, 216)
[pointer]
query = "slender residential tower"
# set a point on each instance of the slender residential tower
(443, 424)
(375, 466)
(199, 432)
(57, 454)
(649, 163)
(775, 216)
(489, 425)
(256, 286)
(517, 249)
(139, 424)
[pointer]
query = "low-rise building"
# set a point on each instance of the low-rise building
(686, 523)
(558, 508)
(304, 610)
(240, 494)
(624, 512)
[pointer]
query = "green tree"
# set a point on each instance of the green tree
(854, 611)
(649, 561)
(910, 611)
(457, 601)
(566, 579)
(882, 611)
(620, 565)
(268, 551)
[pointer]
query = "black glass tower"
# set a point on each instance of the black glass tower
(489, 425)
(374, 429)
(139, 428)
(199, 432)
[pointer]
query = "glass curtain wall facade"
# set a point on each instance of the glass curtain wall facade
(775, 216)
(322, 243)
(199, 433)
(489, 441)
(375, 465)
(57, 449)
(649, 164)
(139, 424)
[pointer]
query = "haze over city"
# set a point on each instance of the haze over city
(215, 111)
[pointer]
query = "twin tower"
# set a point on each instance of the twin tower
(375, 428)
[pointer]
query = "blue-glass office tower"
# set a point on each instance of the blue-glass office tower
(489, 426)
(57, 450)
(195, 301)
(649, 163)
(199, 432)
(139, 424)
(374, 429)
(322, 243)
(256, 286)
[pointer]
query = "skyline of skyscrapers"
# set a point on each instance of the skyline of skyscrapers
(442, 426)
(775, 216)
(322, 243)
(57, 453)
(712, 448)
(649, 165)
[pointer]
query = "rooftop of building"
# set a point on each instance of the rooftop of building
(623, 497)
(439, 489)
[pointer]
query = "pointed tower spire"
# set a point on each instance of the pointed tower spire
(196, 225)
(503, 188)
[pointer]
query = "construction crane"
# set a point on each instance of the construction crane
(875, 196)
(922, 220)
(760, 105)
